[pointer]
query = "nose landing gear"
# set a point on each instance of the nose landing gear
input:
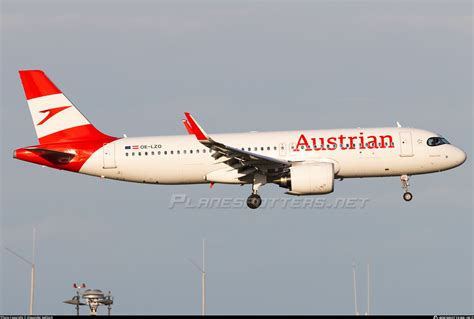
(407, 196)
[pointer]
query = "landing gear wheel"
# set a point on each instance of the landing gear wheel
(254, 201)
(407, 196)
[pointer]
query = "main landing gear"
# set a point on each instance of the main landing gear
(254, 201)
(407, 196)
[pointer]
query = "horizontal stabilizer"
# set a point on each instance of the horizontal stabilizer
(54, 157)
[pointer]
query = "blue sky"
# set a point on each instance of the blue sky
(135, 67)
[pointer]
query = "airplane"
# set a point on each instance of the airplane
(305, 162)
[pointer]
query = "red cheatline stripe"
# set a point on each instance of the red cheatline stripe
(36, 84)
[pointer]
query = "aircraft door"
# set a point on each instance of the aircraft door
(406, 145)
(109, 155)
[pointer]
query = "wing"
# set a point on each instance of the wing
(245, 162)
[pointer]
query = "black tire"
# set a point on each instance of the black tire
(254, 201)
(407, 196)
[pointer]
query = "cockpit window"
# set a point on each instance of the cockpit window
(435, 141)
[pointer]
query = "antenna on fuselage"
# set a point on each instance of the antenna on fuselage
(398, 124)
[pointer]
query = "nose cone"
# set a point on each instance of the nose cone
(458, 157)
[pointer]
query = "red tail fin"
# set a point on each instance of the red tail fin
(55, 118)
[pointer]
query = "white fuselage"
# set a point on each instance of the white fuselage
(184, 160)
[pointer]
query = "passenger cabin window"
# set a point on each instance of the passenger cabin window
(435, 141)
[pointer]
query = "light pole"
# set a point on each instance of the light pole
(32, 264)
(368, 288)
(354, 286)
(203, 277)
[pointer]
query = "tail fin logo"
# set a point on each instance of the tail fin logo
(52, 112)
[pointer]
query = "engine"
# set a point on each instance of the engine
(309, 179)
